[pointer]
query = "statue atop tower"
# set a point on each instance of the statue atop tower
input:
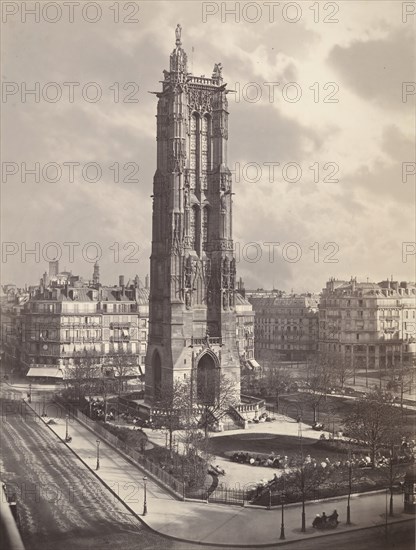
(178, 58)
(178, 33)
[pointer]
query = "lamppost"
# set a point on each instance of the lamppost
(349, 487)
(66, 427)
(98, 454)
(391, 473)
(302, 474)
(145, 497)
(282, 526)
(44, 407)
(29, 395)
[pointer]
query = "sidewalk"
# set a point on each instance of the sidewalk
(212, 524)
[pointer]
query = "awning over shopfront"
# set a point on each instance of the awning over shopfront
(45, 372)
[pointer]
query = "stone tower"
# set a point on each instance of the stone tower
(193, 269)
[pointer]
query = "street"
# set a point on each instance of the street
(60, 503)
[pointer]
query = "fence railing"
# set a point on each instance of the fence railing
(147, 465)
(236, 417)
(226, 495)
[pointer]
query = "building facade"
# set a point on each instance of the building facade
(48, 328)
(245, 331)
(373, 325)
(193, 269)
(12, 303)
(286, 326)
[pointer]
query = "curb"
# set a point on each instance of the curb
(162, 485)
(218, 545)
(329, 499)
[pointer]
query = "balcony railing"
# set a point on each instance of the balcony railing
(119, 339)
(206, 341)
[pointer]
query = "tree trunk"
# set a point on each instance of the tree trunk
(314, 407)
(303, 514)
(391, 501)
(373, 456)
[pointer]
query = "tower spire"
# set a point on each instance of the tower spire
(178, 58)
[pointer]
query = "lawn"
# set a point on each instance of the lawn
(332, 411)
(271, 443)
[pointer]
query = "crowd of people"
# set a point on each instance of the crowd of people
(325, 522)
(97, 410)
(273, 461)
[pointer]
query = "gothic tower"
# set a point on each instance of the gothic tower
(192, 265)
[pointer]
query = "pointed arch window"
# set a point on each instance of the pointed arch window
(193, 225)
(193, 149)
(205, 145)
(205, 220)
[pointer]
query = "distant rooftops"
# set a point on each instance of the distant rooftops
(388, 287)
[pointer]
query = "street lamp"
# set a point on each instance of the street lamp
(44, 407)
(29, 395)
(145, 497)
(66, 427)
(98, 454)
(349, 489)
(391, 472)
(269, 507)
(282, 526)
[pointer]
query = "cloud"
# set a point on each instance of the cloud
(376, 69)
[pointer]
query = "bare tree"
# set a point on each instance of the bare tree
(215, 399)
(319, 382)
(373, 420)
(207, 401)
(274, 382)
(401, 382)
(173, 408)
(304, 479)
(81, 376)
(196, 457)
(123, 364)
(341, 370)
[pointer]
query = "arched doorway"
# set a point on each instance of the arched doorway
(157, 374)
(207, 380)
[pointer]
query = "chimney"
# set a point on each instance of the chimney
(146, 282)
(53, 268)
(96, 275)
(242, 289)
(121, 280)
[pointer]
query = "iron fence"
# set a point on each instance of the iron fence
(147, 465)
(227, 495)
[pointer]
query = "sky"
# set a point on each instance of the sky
(321, 126)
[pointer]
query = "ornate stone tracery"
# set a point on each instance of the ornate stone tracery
(192, 263)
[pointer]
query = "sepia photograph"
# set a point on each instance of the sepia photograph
(208, 275)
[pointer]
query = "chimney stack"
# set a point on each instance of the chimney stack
(96, 275)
